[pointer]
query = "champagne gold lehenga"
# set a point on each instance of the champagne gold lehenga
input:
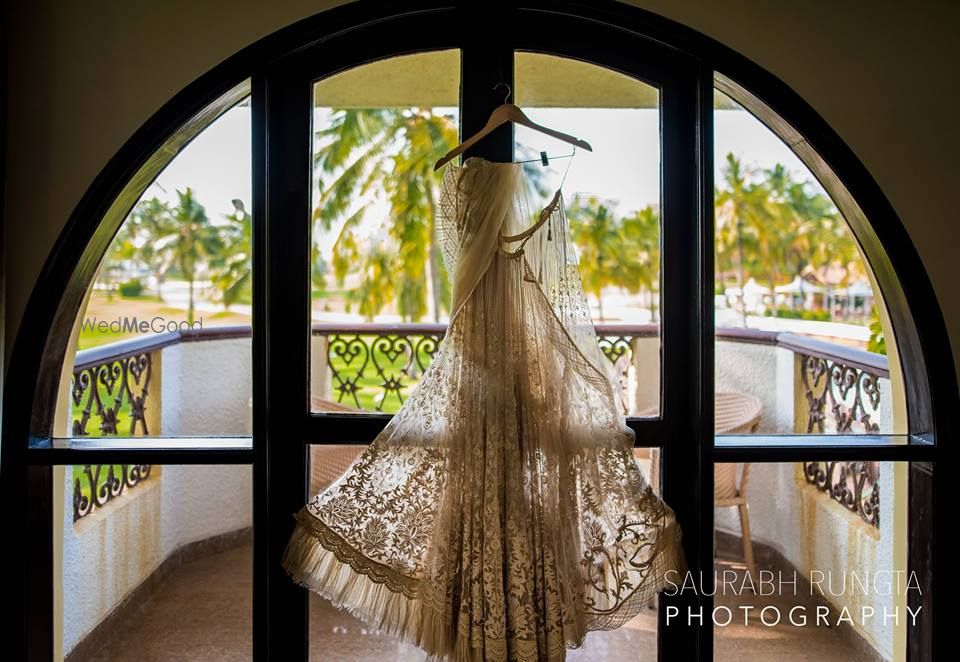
(501, 514)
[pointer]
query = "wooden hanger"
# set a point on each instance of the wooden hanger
(508, 112)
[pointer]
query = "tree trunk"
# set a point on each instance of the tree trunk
(740, 274)
(190, 302)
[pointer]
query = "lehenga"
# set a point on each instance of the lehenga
(501, 513)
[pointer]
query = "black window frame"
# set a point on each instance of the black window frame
(682, 63)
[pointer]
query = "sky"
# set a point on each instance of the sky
(623, 165)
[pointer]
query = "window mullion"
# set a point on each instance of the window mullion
(687, 390)
(486, 71)
(281, 339)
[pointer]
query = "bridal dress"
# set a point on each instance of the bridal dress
(501, 513)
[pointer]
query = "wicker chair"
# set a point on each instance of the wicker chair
(735, 413)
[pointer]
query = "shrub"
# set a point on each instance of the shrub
(876, 344)
(815, 315)
(131, 288)
(810, 315)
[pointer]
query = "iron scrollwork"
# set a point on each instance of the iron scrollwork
(99, 492)
(843, 399)
(105, 389)
(619, 351)
(854, 485)
(852, 395)
(389, 364)
(111, 391)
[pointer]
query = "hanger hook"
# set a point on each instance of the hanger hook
(506, 97)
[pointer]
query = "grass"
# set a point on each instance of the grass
(102, 307)
(79, 474)
(370, 384)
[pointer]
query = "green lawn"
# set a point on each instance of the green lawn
(80, 474)
(370, 384)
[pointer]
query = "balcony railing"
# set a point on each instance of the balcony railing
(110, 395)
(115, 389)
(841, 389)
(374, 366)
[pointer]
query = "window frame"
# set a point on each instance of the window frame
(30, 451)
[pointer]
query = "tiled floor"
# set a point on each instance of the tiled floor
(203, 613)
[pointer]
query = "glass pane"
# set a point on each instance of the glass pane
(172, 299)
(801, 324)
(332, 629)
(828, 545)
(155, 563)
(612, 198)
(377, 132)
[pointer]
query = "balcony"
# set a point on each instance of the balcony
(159, 557)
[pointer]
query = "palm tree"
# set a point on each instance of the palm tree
(193, 242)
(787, 228)
(640, 257)
(151, 220)
(597, 235)
(363, 151)
(742, 215)
(123, 250)
(233, 268)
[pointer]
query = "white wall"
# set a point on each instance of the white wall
(812, 531)
(109, 552)
(206, 387)
(816, 533)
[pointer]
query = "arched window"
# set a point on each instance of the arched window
(778, 342)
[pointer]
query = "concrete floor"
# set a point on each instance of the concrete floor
(203, 613)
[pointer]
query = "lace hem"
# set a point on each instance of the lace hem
(322, 561)
(318, 559)
(303, 557)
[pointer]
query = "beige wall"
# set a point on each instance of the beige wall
(85, 75)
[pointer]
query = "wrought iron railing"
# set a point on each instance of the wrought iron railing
(110, 387)
(103, 484)
(374, 366)
(110, 395)
(840, 388)
(855, 485)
